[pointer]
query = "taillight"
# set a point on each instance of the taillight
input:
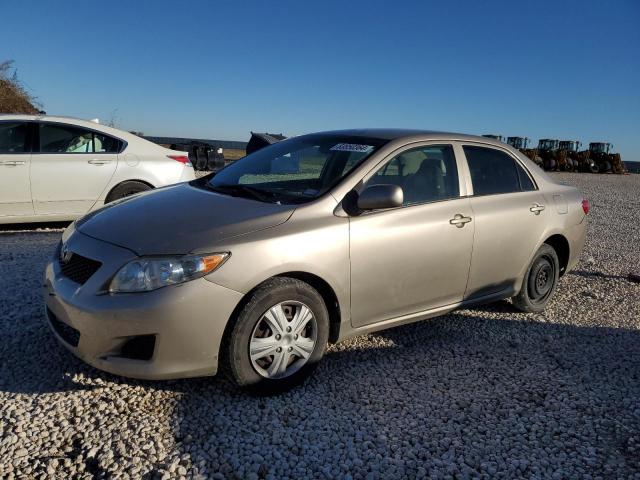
(585, 206)
(180, 158)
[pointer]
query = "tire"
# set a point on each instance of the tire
(540, 281)
(550, 164)
(126, 189)
(257, 321)
(201, 158)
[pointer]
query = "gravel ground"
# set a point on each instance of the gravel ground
(484, 392)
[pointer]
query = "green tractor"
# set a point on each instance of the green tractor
(549, 153)
(575, 160)
(500, 138)
(607, 162)
(522, 144)
(554, 157)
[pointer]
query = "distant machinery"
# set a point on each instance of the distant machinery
(607, 161)
(522, 144)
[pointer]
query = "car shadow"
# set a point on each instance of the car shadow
(33, 227)
(596, 274)
(434, 387)
(440, 388)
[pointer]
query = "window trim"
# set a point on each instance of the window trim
(36, 139)
(518, 161)
(462, 193)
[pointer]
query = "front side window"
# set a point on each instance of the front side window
(296, 170)
(13, 137)
(425, 174)
(68, 139)
(494, 171)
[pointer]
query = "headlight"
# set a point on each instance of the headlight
(147, 274)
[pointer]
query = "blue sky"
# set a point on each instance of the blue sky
(563, 69)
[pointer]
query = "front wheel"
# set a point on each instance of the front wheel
(278, 337)
(539, 282)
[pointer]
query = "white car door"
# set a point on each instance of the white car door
(71, 169)
(15, 155)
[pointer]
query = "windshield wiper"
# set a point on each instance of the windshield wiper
(244, 191)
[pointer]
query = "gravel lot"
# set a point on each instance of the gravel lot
(485, 392)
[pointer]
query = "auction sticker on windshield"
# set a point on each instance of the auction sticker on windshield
(351, 147)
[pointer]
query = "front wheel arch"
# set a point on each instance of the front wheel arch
(318, 283)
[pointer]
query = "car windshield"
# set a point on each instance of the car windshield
(297, 170)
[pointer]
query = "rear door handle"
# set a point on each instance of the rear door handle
(537, 208)
(459, 220)
(98, 162)
(13, 163)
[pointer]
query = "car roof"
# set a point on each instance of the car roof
(122, 134)
(42, 117)
(390, 134)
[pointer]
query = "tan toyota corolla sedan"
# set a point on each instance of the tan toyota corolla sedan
(308, 241)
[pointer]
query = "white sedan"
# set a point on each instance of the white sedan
(58, 168)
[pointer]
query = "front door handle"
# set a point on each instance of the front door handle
(13, 163)
(537, 208)
(98, 162)
(459, 220)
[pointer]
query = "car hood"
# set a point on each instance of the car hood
(179, 219)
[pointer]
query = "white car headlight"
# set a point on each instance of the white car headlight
(146, 274)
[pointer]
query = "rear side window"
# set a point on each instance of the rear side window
(493, 172)
(68, 139)
(13, 137)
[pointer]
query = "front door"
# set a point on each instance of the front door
(413, 258)
(15, 156)
(71, 170)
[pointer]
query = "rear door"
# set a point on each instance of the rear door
(15, 157)
(71, 169)
(509, 215)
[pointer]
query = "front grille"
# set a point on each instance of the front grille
(66, 332)
(78, 268)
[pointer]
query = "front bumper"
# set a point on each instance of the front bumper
(185, 322)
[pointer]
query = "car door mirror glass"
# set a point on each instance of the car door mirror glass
(380, 196)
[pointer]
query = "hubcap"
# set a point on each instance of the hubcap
(283, 339)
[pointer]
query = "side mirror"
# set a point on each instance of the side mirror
(380, 196)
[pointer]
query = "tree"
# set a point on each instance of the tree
(14, 98)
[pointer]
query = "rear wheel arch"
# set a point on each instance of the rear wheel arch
(108, 198)
(561, 245)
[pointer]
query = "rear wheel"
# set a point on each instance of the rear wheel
(539, 282)
(126, 189)
(278, 337)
